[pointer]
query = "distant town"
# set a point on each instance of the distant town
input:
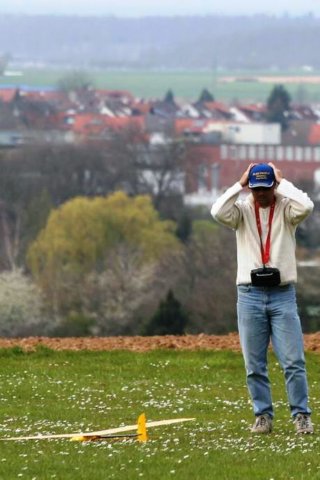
(220, 138)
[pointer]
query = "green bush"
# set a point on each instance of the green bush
(169, 319)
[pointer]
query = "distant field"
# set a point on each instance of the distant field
(226, 86)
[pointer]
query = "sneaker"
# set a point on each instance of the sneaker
(263, 424)
(303, 423)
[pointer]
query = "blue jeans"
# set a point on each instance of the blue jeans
(266, 313)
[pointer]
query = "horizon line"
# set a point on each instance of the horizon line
(284, 14)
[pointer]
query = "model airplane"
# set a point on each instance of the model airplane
(141, 432)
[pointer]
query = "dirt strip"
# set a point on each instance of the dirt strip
(142, 344)
(276, 79)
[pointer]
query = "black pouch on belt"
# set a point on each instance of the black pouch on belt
(265, 277)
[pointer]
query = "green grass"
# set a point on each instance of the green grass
(185, 84)
(51, 392)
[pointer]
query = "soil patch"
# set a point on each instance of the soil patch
(143, 344)
(310, 79)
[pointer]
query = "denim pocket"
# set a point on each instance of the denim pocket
(244, 288)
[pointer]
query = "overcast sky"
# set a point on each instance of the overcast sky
(160, 7)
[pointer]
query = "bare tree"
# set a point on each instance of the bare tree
(112, 299)
(162, 171)
(202, 277)
(122, 289)
(22, 309)
(74, 81)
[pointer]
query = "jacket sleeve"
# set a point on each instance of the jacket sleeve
(300, 204)
(225, 210)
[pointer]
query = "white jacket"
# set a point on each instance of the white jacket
(292, 206)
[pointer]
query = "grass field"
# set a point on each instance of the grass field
(185, 84)
(51, 392)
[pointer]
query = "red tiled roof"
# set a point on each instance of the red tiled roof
(190, 124)
(56, 98)
(7, 94)
(95, 124)
(217, 106)
(43, 95)
(259, 108)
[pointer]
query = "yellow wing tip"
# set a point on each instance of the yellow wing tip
(142, 435)
(142, 428)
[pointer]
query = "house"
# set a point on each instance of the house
(298, 133)
(304, 112)
(212, 168)
(248, 133)
(314, 134)
(202, 130)
(7, 94)
(253, 112)
(88, 127)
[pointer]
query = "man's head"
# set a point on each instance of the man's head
(262, 183)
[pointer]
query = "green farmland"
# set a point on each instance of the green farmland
(185, 84)
(52, 392)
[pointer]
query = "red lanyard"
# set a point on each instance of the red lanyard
(265, 252)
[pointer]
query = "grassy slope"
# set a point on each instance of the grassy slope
(50, 392)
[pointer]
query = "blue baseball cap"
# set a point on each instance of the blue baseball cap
(261, 175)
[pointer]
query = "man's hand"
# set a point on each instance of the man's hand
(277, 172)
(244, 180)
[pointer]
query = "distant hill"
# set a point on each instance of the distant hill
(207, 42)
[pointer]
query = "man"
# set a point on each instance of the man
(265, 224)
